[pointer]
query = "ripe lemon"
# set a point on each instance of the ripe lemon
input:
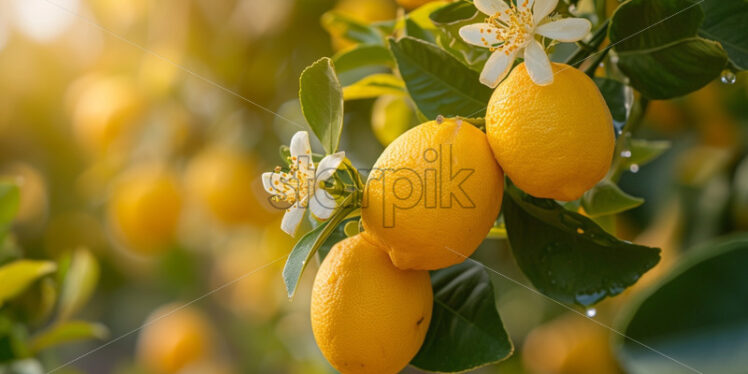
(173, 339)
(367, 315)
(225, 182)
(390, 117)
(145, 207)
(433, 195)
(553, 141)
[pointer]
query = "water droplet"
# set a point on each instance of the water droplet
(626, 153)
(439, 119)
(728, 77)
(634, 168)
(591, 312)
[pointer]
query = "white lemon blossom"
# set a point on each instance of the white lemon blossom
(512, 29)
(301, 185)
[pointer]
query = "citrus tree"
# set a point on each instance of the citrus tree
(528, 112)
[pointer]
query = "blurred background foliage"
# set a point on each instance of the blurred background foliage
(136, 132)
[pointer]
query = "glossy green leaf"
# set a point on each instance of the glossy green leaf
(607, 198)
(322, 102)
(363, 55)
(437, 82)
(643, 151)
(658, 49)
(308, 245)
(337, 23)
(67, 332)
(725, 22)
(79, 284)
(566, 255)
(454, 12)
(16, 276)
(697, 315)
(618, 97)
(465, 331)
(414, 30)
(374, 85)
(335, 236)
(10, 197)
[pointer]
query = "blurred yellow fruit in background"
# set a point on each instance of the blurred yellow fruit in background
(106, 113)
(173, 339)
(226, 183)
(435, 178)
(570, 344)
(32, 211)
(258, 290)
(554, 141)
(367, 315)
(412, 4)
(145, 207)
(390, 117)
(364, 11)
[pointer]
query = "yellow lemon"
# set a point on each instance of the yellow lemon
(553, 141)
(145, 207)
(226, 183)
(433, 195)
(390, 117)
(173, 339)
(367, 315)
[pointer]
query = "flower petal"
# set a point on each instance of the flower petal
(322, 204)
(480, 34)
(491, 7)
(328, 165)
(565, 30)
(524, 4)
(300, 144)
(292, 218)
(496, 68)
(538, 65)
(267, 182)
(542, 9)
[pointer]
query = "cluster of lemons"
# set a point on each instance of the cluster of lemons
(372, 297)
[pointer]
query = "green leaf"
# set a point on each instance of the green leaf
(322, 102)
(725, 22)
(465, 331)
(335, 236)
(697, 314)
(643, 151)
(374, 85)
(363, 55)
(606, 198)
(79, 284)
(566, 255)
(618, 97)
(338, 24)
(16, 276)
(658, 49)
(453, 13)
(10, 197)
(66, 333)
(305, 248)
(414, 30)
(437, 82)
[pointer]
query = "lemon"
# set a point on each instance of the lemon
(173, 339)
(367, 315)
(433, 195)
(226, 183)
(553, 141)
(145, 207)
(412, 4)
